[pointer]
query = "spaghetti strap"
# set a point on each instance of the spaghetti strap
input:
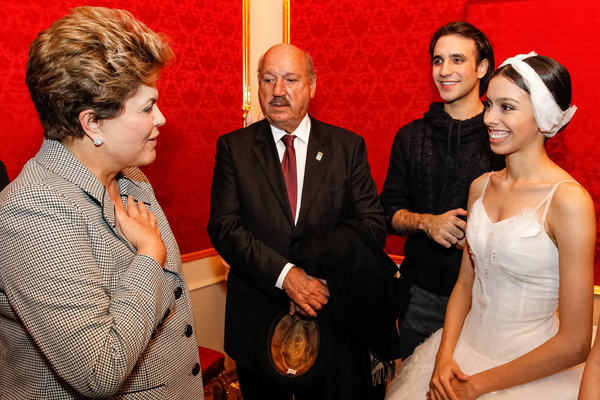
(548, 199)
(486, 185)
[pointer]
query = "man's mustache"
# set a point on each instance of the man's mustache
(279, 101)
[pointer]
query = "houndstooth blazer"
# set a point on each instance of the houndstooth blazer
(81, 315)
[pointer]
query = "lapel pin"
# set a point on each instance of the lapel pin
(319, 156)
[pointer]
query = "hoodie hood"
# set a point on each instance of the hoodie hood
(454, 144)
(451, 135)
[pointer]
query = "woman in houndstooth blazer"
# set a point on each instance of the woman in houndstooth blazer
(93, 301)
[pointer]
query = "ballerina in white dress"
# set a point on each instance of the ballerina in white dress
(530, 251)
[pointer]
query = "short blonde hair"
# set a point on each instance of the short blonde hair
(94, 58)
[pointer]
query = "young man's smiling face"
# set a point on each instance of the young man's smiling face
(455, 70)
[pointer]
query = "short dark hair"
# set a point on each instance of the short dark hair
(94, 58)
(485, 50)
(554, 75)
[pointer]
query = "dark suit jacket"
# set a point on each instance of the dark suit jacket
(251, 223)
(366, 297)
(365, 302)
(4, 181)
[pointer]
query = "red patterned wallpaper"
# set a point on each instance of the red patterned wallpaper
(374, 74)
(567, 33)
(373, 71)
(372, 66)
(200, 95)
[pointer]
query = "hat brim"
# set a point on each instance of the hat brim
(269, 360)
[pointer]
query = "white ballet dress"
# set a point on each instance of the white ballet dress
(513, 310)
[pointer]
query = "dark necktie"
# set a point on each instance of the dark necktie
(288, 165)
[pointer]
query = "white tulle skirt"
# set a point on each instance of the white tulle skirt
(412, 381)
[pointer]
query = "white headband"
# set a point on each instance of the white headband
(548, 115)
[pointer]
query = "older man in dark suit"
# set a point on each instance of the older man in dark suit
(276, 183)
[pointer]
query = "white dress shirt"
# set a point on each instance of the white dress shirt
(302, 133)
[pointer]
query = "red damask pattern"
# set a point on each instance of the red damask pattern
(372, 65)
(373, 68)
(374, 73)
(200, 95)
(567, 33)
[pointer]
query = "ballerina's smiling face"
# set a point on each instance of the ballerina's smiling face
(509, 117)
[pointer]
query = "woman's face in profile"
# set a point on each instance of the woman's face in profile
(130, 138)
(509, 117)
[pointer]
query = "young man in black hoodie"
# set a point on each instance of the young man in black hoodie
(432, 164)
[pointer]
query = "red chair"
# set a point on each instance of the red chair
(218, 383)
(212, 362)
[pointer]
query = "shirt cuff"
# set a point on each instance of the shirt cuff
(283, 274)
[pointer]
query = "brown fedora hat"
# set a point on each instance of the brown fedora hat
(294, 352)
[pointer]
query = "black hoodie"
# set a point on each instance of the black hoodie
(432, 164)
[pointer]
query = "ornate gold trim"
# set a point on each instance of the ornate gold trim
(246, 59)
(286, 21)
(597, 290)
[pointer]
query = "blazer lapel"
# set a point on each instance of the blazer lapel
(317, 157)
(266, 155)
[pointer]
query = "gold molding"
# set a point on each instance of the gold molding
(286, 21)
(246, 59)
(597, 290)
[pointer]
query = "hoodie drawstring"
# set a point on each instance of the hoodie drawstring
(447, 160)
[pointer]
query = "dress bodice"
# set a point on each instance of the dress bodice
(515, 290)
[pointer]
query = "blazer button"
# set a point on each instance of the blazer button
(196, 369)
(178, 292)
(294, 242)
(188, 331)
